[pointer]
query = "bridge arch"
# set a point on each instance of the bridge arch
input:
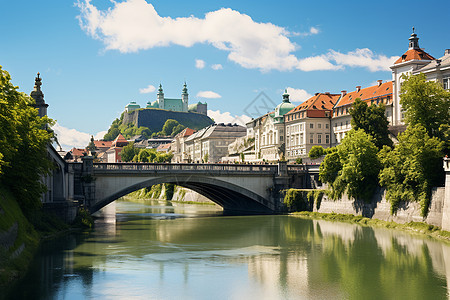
(231, 197)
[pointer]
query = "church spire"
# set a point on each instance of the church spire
(413, 40)
(285, 96)
(185, 90)
(38, 97)
(160, 90)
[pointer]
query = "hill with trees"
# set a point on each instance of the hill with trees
(151, 122)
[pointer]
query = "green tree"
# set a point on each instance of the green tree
(206, 157)
(23, 145)
(316, 152)
(353, 168)
(128, 152)
(412, 168)
(372, 119)
(330, 167)
(425, 103)
(177, 129)
(168, 127)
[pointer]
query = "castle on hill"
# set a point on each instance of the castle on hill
(181, 105)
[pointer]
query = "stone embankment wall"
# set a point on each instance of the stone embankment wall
(182, 194)
(379, 208)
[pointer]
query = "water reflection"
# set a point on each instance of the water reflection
(164, 253)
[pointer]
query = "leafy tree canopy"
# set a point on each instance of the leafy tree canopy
(372, 120)
(412, 167)
(23, 145)
(316, 152)
(425, 103)
(353, 168)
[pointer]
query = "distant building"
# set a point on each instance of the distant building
(309, 124)
(212, 142)
(172, 104)
(376, 94)
(415, 61)
(178, 146)
(200, 108)
(269, 131)
(113, 153)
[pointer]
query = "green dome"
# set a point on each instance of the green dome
(283, 108)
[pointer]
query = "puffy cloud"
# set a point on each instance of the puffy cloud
(316, 63)
(69, 138)
(362, 58)
(217, 67)
(208, 94)
(149, 89)
(227, 117)
(134, 25)
(199, 64)
(298, 95)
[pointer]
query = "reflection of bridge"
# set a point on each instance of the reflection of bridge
(238, 188)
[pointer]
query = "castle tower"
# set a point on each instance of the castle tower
(160, 97)
(38, 96)
(185, 97)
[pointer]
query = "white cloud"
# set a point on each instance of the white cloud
(199, 64)
(316, 63)
(217, 67)
(226, 117)
(363, 58)
(134, 25)
(208, 94)
(69, 138)
(312, 31)
(149, 89)
(298, 95)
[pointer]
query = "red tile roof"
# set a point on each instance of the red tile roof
(186, 132)
(77, 152)
(103, 144)
(414, 54)
(366, 94)
(320, 101)
(120, 140)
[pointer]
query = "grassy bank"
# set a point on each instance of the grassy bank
(416, 227)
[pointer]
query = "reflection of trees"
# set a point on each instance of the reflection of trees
(363, 270)
(287, 257)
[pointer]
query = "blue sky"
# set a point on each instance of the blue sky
(96, 56)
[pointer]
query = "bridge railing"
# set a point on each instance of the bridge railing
(180, 167)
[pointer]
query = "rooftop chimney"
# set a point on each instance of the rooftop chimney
(316, 94)
(379, 82)
(343, 93)
(358, 88)
(447, 51)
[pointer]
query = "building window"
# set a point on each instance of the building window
(311, 138)
(446, 83)
(311, 125)
(327, 126)
(346, 124)
(319, 139)
(319, 126)
(327, 138)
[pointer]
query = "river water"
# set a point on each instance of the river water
(158, 251)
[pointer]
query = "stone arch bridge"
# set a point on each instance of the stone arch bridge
(237, 188)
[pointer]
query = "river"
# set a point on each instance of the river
(159, 251)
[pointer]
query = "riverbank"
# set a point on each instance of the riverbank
(413, 227)
(20, 238)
